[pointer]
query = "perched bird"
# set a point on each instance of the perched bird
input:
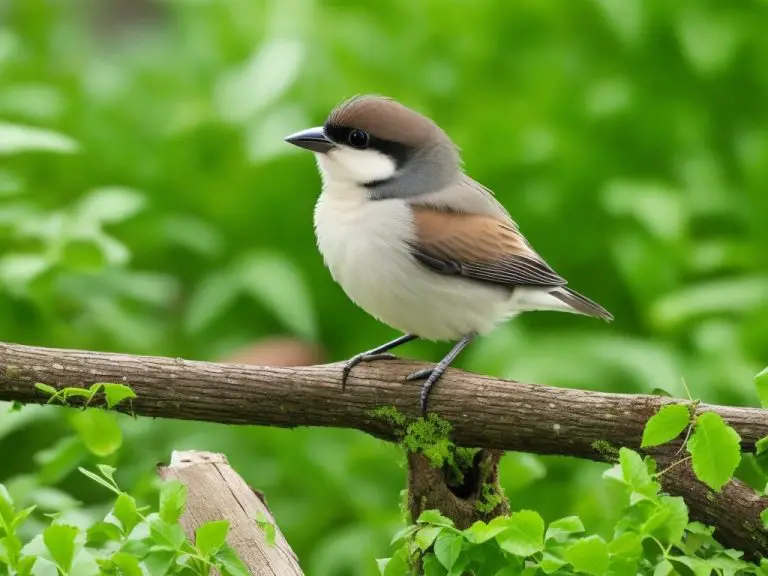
(416, 242)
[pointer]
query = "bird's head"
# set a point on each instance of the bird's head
(383, 147)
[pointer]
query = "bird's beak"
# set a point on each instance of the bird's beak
(313, 139)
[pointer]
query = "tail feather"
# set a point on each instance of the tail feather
(581, 304)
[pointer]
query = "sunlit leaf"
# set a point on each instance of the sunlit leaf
(116, 393)
(524, 535)
(173, 497)
(60, 541)
(715, 450)
(110, 205)
(210, 537)
(17, 138)
(267, 527)
(665, 425)
(98, 430)
(588, 555)
(448, 548)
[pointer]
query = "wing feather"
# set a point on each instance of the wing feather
(478, 246)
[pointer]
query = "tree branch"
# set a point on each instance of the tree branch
(484, 412)
(216, 492)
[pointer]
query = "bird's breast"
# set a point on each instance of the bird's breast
(365, 246)
(362, 241)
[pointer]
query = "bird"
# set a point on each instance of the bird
(417, 243)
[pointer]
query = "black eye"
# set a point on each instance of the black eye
(358, 139)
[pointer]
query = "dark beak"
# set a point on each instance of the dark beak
(313, 139)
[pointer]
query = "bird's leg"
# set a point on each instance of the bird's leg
(433, 374)
(378, 353)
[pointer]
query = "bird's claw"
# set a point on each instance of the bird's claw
(359, 359)
(420, 374)
(431, 375)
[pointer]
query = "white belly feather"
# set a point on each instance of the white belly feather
(363, 243)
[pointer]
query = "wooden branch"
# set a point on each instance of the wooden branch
(484, 412)
(216, 492)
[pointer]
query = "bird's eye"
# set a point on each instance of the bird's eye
(358, 139)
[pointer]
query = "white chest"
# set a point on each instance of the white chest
(362, 241)
(364, 244)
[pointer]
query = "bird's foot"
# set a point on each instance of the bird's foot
(419, 375)
(359, 359)
(431, 375)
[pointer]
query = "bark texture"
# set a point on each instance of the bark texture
(216, 492)
(484, 412)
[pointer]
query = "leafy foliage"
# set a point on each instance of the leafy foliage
(652, 536)
(128, 541)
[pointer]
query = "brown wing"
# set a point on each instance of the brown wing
(478, 246)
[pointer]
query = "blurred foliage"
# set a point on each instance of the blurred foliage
(149, 205)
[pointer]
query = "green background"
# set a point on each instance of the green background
(161, 213)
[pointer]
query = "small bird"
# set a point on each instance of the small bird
(416, 242)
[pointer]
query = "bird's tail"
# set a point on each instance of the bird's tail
(581, 304)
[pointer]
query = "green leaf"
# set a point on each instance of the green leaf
(628, 545)
(210, 537)
(715, 450)
(21, 516)
(168, 536)
(426, 535)
(128, 565)
(673, 528)
(229, 564)
(159, 561)
(108, 472)
(110, 205)
(26, 565)
(698, 566)
(761, 445)
(764, 518)
(59, 539)
(761, 383)
(664, 568)
(173, 497)
(99, 480)
(102, 532)
(633, 469)
(524, 535)
(125, 511)
(398, 565)
(16, 138)
(46, 388)
(403, 534)
(267, 527)
(665, 425)
(434, 517)
(116, 393)
(550, 562)
(561, 529)
(85, 564)
(432, 567)
(588, 555)
(481, 532)
(448, 548)
(98, 430)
